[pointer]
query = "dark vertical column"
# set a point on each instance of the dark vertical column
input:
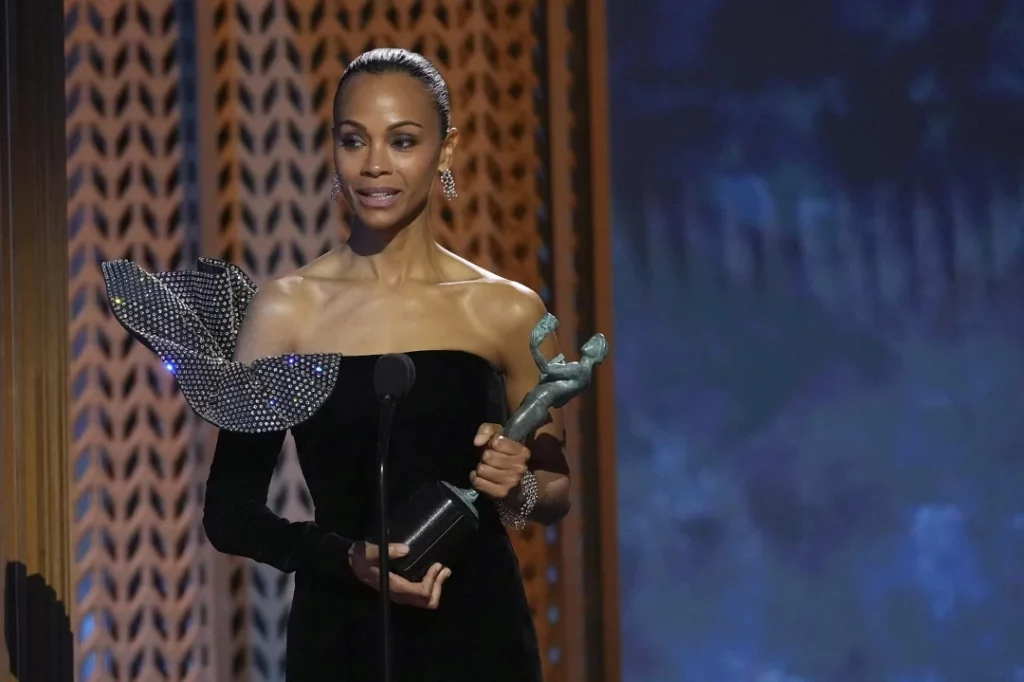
(34, 475)
(187, 86)
(592, 222)
(577, 184)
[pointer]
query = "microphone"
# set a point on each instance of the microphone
(393, 377)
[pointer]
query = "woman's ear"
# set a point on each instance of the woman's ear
(451, 140)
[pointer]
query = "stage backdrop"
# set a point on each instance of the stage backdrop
(202, 127)
(819, 228)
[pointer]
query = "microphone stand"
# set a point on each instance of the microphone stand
(387, 417)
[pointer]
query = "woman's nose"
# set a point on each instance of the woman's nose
(376, 162)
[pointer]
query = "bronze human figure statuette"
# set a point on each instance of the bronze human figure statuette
(560, 381)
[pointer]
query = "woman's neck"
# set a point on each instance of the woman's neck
(393, 256)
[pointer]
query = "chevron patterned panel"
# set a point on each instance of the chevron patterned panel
(136, 572)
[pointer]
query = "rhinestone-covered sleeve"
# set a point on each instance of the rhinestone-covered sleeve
(238, 521)
(191, 319)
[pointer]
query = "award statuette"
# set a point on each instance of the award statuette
(438, 519)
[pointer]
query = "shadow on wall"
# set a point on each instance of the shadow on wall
(37, 630)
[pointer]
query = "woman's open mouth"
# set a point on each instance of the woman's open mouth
(378, 197)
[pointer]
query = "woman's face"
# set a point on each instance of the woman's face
(388, 148)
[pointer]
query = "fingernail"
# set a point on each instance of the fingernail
(447, 573)
(480, 440)
(403, 550)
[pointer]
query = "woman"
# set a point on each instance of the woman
(391, 288)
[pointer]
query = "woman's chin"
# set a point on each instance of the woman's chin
(382, 220)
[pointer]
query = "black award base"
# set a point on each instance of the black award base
(435, 523)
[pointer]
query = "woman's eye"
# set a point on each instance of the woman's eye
(350, 142)
(404, 142)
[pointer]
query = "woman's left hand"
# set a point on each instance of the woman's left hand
(502, 465)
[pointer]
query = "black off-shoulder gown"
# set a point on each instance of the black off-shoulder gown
(482, 631)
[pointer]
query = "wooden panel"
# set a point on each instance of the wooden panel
(565, 612)
(34, 472)
(580, 231)
(135, 534)
(601, 514)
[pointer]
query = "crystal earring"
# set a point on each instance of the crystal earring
(448, 184)
(335, 187)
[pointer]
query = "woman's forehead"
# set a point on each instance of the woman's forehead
(384, 99)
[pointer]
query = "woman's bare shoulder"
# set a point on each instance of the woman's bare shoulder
(275, 319)
(502, 303)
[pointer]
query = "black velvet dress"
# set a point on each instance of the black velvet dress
(482, 631)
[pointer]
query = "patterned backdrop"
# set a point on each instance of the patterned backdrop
(198, 127)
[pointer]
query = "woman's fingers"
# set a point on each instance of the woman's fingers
(372, 552)
(419, 594)
(421, 590)
(485, 433)
(424, 594)
(435, 594)
(371, 577)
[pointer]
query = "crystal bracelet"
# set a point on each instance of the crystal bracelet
(517, 518)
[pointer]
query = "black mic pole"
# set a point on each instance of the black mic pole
(393, 376)
(387, 416)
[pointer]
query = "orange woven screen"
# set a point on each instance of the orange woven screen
(204, 127)
(134, 531)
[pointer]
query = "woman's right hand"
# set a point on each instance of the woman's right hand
(363, 559)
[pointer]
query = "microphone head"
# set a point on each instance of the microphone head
(393, 376)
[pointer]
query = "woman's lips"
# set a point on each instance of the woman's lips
(378, 197)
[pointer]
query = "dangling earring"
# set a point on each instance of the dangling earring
(335, 187)
(448, 184)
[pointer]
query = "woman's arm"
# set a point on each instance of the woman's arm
(237, 520)
(235, 515)
(547, 446)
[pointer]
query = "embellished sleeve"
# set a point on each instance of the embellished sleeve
(191, 319)
(237, 520)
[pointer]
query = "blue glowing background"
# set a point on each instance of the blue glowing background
(819, 227)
